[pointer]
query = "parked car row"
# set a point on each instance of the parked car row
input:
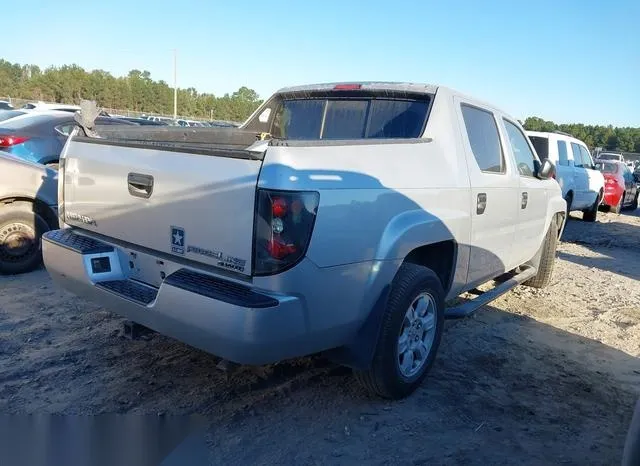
(587, 184)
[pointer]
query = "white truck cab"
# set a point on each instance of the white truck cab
(581, 183)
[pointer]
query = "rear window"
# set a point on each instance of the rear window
(606, 167)
(609, 157)
(6, 114)
(26, 121)
(541, 145)
(374, 118)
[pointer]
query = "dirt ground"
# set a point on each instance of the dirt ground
(538, 377)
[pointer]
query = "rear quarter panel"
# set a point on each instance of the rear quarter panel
(27, 180)
(378, 201)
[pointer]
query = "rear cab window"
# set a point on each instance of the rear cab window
(607, 167)
(355, 117)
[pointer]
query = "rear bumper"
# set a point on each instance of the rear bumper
(611, 197)
(232, 320)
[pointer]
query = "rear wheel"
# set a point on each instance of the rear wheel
(590, 214)
(547, 255)
(409, 336)
(21, 231)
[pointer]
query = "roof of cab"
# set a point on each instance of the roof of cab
(366, 85)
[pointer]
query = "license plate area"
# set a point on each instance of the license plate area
(100, 265)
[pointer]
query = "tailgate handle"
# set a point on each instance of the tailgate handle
(140, 185)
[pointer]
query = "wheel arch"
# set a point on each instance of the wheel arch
(38, 206)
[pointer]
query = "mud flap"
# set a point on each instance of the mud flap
(358, 354)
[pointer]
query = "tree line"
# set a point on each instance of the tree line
(135, 92)
(606, 137)
(138, 92)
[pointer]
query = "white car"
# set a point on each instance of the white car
(582, 185)
(611, 156)
(43, 106)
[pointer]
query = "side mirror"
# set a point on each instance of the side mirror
(547, 170)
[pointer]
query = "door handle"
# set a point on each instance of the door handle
(525, 198)
(140, 185)
(482, 203)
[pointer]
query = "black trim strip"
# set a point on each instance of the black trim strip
(221, 290)
(77, 243)
(131, 290)
(180, 147)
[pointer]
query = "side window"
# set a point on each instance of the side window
(65, 129)
(563, 157)
(521, 150)
(484, 139)
(577, 156)
(587, 162)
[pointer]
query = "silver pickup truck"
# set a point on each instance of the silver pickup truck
(339, 218)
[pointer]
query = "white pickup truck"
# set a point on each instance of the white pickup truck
(340, 218)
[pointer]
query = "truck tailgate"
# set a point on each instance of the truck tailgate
(196, 204)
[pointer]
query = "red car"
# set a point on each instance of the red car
(620, 187)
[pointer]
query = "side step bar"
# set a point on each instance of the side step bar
(471, 306)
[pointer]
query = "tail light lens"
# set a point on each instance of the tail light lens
(283, 225)
(8, 141)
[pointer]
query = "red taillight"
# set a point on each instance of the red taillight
(278, 249)
(279, 207)
(347, 87)
(8, 141)
(283, 225)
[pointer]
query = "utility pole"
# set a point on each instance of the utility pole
(175, 84)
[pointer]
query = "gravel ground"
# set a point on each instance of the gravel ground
(537, 377)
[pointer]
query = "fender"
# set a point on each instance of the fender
(412, 229)
(404, 233)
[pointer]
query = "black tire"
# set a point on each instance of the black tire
(591, 214)
(384, 377)
(21, 232)
(547, 254)
(618, 208)
(569, 201)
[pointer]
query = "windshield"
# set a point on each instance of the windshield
(355, 118)
(606, 167)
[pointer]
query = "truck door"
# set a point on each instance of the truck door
(581, 178)
(494, 186)
(532, 198)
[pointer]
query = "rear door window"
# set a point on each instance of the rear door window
(355, 118)
(563, 156)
